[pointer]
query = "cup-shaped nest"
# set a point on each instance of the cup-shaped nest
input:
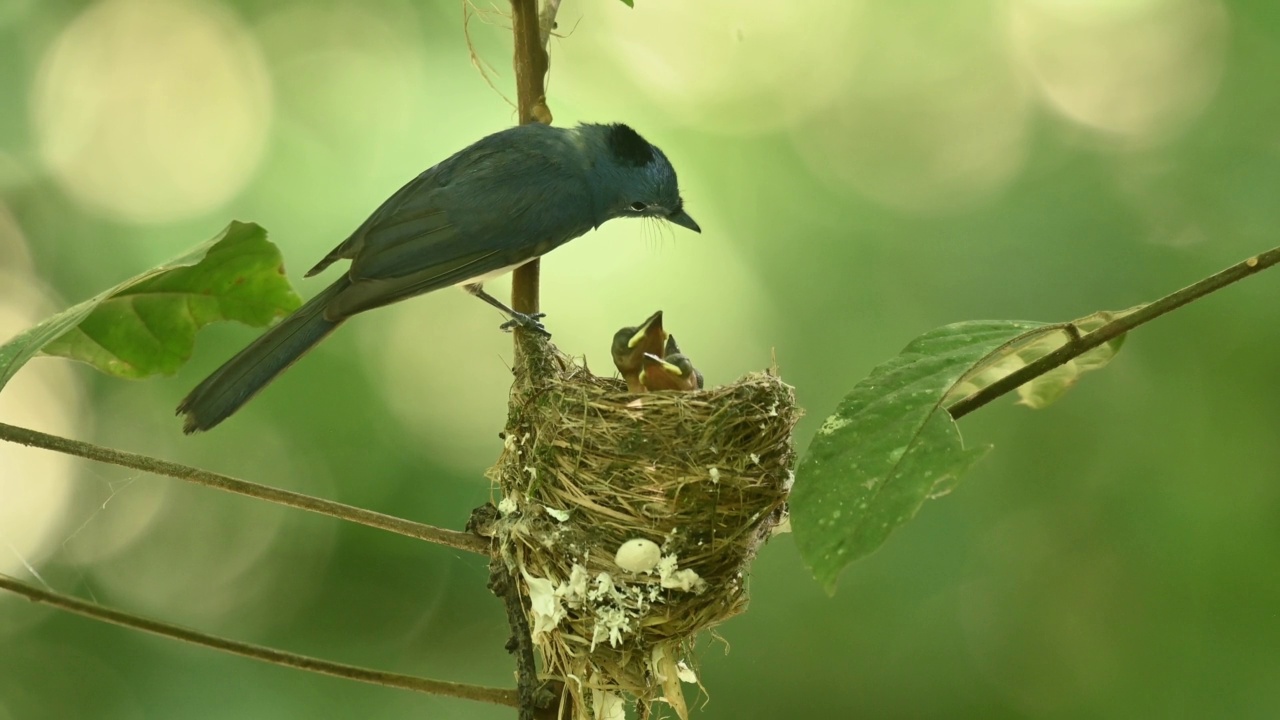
(687, 485)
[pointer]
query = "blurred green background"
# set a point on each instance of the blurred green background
(863, 171)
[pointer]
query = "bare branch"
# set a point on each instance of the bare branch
(530, 59)
(531, 70)
(1079, 345)
(70, 604)
(547, 21)
(439, 536)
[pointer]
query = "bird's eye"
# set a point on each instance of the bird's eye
(638, 206)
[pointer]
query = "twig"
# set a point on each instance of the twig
(547, 21)
(520, 644)
(530, 59)
(439, 536)
(1078, 345)
(480, 693)
(479, 63)
(531, 70)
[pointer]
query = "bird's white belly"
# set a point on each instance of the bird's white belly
(490, 275)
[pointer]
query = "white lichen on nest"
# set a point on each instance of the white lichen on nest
(620, 467)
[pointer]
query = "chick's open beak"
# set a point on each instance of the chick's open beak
(630, 345)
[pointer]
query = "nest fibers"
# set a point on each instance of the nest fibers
(692, 483)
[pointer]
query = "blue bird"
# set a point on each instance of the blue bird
(493, 206)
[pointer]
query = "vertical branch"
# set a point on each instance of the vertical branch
(520, 644)
(531, 71)
(531, 97)
(530, 61)
(547, 22)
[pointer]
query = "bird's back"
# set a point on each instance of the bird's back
(507, 198)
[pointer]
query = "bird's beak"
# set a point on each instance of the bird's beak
(682, 219)
(654, 321)
(669, 367)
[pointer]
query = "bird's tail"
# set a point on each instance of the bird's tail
(241, 377)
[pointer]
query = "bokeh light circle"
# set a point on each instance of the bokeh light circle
(152, 111)
(36, 486)
(719, 65)
(1139, 69)
(375, 75)
(936, 118)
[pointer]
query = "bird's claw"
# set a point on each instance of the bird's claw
(528, 322)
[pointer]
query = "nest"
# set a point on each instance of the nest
(587, 467)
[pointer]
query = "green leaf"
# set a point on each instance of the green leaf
(1045, 389)
(629, 3)
(890, 446)
(147, 325)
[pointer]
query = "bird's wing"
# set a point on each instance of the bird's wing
(479, 212)
(371, 292)
(398, 218)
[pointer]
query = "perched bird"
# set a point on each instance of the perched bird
(674, 372)
(630, 345)
(509, 198)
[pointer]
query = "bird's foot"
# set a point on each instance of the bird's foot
(528, 322)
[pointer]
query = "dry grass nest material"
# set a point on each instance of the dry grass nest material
(588, 466)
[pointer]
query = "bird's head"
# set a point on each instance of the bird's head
(635, 178)
(674, 372)
(631, 343)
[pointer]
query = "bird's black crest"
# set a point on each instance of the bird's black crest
(628, 147)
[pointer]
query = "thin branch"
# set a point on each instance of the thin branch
(1080, 344)
(531, 70)
(530, 59)
(547, 21)
(502, 584)
(439, 536)
(70, 604)
(479, 63)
